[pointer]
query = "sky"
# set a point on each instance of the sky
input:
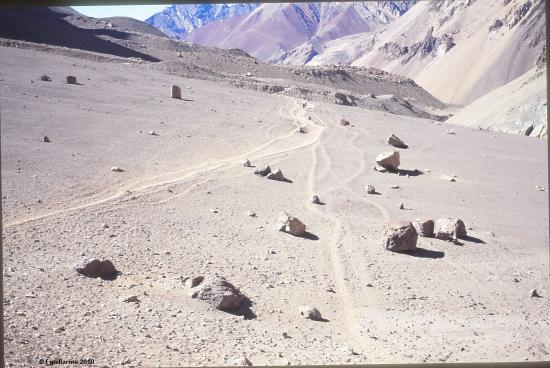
(140, 12)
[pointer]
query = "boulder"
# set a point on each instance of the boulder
(315, 199)
(71, 79)
(371, 189)
(46, 139)
(389, 160)
(152, 132)
(263, 171)
(175, 92)
(290, 224)
(399, 236)
(301, 129)
(449, 228)
(218, 292)
(276, 175)
(534, 294)
(424, 227)
(396, 142)
(310, 313)
(45, 78)
(95, 268)
(344, 122)
(246, 163)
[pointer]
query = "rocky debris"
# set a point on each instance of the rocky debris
(246, 163)
(251, 213)
(310, 312)
(175, 92)
(534, 294)
(401, 206)
(45, 78)
(116, 169)
(243, 360)
(396, 142)
(263, 172)
(449, 228)
(104, 226)
(96, 268)
(344, 122)
(152, 132)
(315, 199)
(542, 189)
(213, 210)
(450, 131)
(450, 178)
(192, 282)
(371, 189)
(276, 175)
(290, 224)
(71, 79)
(132, 299)
(301, 129)
(342, 99)
(389, 160)
(218, 292)
(424, 227)
(399, 236)
(46, 139)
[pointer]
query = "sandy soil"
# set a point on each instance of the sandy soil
(447, 302)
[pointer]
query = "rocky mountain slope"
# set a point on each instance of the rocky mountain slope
(178, 20)
(458, 50)
(270, 31)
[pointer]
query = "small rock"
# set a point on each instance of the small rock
(542, 189)
(396, 142)
(248, 74)
(241, 361)
(450, 131)
(71, 79)
(45, 78)
(192, 282)
(399, 236)
(310, 313)
(46, 139)
(300, 130)
(371, 189)
(132, 299)
(175, 92)
(104, 226)
(315, 199)
(264, 171)
(389, 160)
(344, 122)
(395, 186)
(285, 335)
(380, 169)
(424, 227)
(277, 175)
(152, 132)
(401, 206)
(448, 228)
(534, 294)
(59, 329)
(251, 213)
(116, 169)
(246, 163)
(213, 210)
(96, 268)
(290, 224)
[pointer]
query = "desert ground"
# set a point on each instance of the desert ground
(180, 207)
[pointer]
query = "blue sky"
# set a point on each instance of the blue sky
(140, 12)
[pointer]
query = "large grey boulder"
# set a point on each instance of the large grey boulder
(175, 92)
(396, 142)
(218, 292)
(424, 227)
(389, 160)
(95, 268)
(399, 236)
(449, 228)
(276, 175)
(290, 224)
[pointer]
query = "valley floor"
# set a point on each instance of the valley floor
(447, 302)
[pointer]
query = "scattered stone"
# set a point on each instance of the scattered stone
(263, 172)
(116, 169)
(46, 139)
(248, 74)
(152, 132)
(213, 210)
(380, 169)
(45, 78)
(541, 188)
(424, 227)
(301, 129)
(104, 226)
(401, 206)
(344, 122)
(389, 160)
(175, 92)
(310, 313)
(96, 268)
(396, 142)
(309, 117)
(71, 79)
(277, 175)
(290, 224)
(395, 187)
(315, 199)
(59, 329)
(285, 335)
(399, 236)
(534, 294)
(246, 163)
(132, 299)
(218, 292)
(450, 131)
(192, 282)
(371, 189)
(241, 361)
(251, 213)
(449, 228)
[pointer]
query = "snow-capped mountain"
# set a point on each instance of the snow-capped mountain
(270, 31)
(178, 20)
